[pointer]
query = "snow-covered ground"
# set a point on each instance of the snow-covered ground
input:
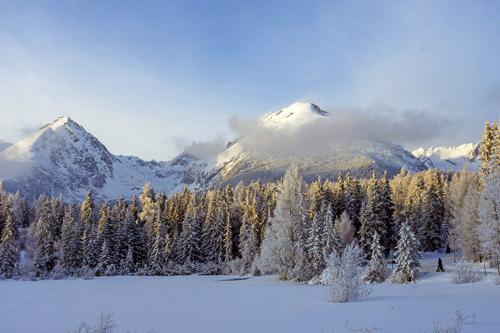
(258, 304)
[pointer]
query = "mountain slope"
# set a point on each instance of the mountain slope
(450, 158)
(277, 139)
(63, 158)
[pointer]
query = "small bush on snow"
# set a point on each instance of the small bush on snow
(460, 318)
(344, 274)
(465, 273)
(105, 324)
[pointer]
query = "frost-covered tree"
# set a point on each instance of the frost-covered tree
(489, 218)
(248, 239)
(315, 241)
(88, 218)
(45, 252)
(158, 259)
(228, 239)
(434, 214)
(188, 244)
(8, 248)
(406, 256)
(377, 270)
(128, 265)
(283, 250)
(106, 264)
(489, 147)
(71, 245)
(345, 272)
(376, 214)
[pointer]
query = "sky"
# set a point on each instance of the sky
(148, 78)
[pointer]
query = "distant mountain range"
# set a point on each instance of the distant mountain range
(62, 158)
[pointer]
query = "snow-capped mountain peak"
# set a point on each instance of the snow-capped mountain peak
(293, 116)
(450, 158)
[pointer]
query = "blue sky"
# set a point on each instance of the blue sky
(147, 77)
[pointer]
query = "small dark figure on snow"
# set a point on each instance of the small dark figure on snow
(440, 266)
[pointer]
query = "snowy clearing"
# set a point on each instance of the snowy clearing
(258, 304)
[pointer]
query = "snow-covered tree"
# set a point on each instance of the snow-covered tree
(188, 244)
(434, 214)
(489, 218)
(248, 239)
(45, 252)
(345, 272)
(406, 256)
(377, 270)
(8, 248)
(71, 246)
(158, 260)
(315, 241)
(283, 250)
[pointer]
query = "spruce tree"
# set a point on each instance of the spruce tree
(316, 246)
(248, 240)
(377, 270)
(45, 252)
(434, 215)
(71, 255)
(188, 244)
(228, 239)
(89, 220)
(8, 248)
(406, 256)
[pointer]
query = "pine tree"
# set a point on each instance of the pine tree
(489, 217)
(488, 147)
(353, 200)
(71, 255)
(188, 244)
(377, 270)
(376, 214)
(129, 266)
(316, 246)
(107, 233)
(248, 240)
(406, 256)
(8, 248)
(158, 260)
(228, 238)
(45, 252)
(106, 264)
(89, 220)
(434, 215)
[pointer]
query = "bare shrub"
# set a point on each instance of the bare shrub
(459, 319)
(105, 324)
(465, 273)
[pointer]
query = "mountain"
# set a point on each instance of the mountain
(450, 158)
(62, 158)
(282, 134)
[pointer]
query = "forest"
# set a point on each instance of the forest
(290, 228)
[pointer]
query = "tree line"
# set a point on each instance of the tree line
(290, 227)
